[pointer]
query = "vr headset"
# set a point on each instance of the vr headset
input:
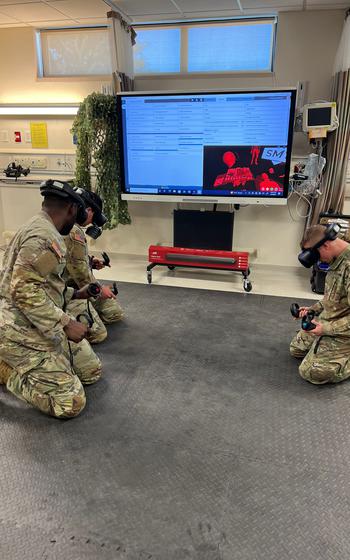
(92, 200)
(309, 257)
(65, 190)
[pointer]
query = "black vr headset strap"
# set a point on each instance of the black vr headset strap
(64, 190)
(311, 255)
(330, 234)
(99, 218)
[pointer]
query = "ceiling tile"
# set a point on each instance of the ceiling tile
(327, 4)
(53, 23)
(93, 21)
(151, 7)
(34, 11)
(207, 5)
(6, 19)
(155, 18)
(272, 4)
(14, 2)
(81, 8)
(8, 25)
(214, 14)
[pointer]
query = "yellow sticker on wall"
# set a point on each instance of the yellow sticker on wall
(38, 131)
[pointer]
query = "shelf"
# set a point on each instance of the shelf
(15, 150)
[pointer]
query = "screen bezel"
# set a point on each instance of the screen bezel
(309, 127)
(210, 199)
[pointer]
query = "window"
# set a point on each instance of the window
(73, 52)
(157, 50)
(235, 46)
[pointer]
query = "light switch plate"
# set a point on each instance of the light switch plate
(4, 136)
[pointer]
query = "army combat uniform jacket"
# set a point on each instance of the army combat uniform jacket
(43, 368)
(32, 287)
(78, 273)
(334, 309)
(327, 357)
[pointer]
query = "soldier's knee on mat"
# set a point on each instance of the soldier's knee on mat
(109, 319)
(71, 410)
(316, 375)
(88, 376)
(5, 372)
(96, 338)
(296, 352)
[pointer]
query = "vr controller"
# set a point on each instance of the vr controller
(115, 288)
(86, 319)
(306, 321)
(107, 262)
(93, 290)
(105, 257)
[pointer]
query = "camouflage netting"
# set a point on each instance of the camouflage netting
(96, 129)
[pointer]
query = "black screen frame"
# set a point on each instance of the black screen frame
(235, 198)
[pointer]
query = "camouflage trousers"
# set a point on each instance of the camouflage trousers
(109, 310)
(326, 359)
(51, 381)
(102, 312)
(98, 331)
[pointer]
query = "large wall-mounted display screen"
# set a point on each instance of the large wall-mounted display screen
(222, 147)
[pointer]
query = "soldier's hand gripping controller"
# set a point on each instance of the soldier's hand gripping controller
(86, 319)
(306, 321)
(94, 290)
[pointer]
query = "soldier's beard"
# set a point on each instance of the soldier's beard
(67, 228)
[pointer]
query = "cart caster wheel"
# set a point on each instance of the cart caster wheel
(247, 286)
(149, 277)
(171, 267)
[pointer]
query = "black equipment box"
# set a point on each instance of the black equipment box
(195, 229)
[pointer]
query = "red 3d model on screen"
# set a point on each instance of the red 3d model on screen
(244, 168)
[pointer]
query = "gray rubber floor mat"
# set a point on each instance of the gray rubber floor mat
(201, 442)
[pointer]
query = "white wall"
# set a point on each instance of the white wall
(18, 71)
(306, 46)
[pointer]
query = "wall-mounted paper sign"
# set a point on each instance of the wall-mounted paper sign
(38, 131)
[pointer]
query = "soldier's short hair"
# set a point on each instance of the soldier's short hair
(313, 235)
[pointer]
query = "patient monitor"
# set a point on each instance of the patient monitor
(319, 119)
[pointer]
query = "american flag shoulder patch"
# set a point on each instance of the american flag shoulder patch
(78, 237)
(56, 249)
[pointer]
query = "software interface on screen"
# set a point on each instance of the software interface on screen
(206, 144)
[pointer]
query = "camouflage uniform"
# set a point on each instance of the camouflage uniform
(47, 370)
(327, 357)
(78, 273)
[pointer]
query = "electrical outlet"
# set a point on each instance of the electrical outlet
(4, 136)
(24, 162)
(38, 163)
(32, 162)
